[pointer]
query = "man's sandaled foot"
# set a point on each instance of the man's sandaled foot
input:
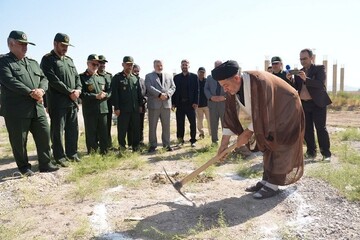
(255, 187)
(265, 192)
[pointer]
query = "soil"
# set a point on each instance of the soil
(43, 207)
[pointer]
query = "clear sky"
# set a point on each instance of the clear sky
(199, 30)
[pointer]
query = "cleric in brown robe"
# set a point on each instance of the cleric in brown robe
(277, 123)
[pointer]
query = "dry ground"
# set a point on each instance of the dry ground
(44, 206)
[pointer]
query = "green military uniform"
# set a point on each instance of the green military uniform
(108, 76)
(126, 97)
(63, 80)
(21, 112)
(95, 111)
(282, 75)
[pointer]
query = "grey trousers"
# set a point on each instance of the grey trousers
(216, 110)
(164, 115)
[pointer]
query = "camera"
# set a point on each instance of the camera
(294, 72)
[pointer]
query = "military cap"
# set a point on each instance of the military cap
(225, 70)
(128, 59)
(63, 38)
(19, 36)
(276, 59)
(93, 57)
(202, 69)
(102, 58)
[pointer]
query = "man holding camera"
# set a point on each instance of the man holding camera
(310, 83)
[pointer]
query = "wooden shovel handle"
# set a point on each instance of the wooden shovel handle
(207, 164)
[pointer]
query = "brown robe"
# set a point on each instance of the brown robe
(278, 121)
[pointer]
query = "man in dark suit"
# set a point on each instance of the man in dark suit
(186, 100)
(160, 88)
(23, 88)
(310, 83)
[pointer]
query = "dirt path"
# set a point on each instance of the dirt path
(43, 206)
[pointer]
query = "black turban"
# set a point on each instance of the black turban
(226, 70)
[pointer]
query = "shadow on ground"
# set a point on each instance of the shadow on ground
(184, 220)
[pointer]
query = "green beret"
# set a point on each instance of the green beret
(226, 70)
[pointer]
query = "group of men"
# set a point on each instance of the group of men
(276, 108)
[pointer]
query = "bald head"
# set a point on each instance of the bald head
(217, 63)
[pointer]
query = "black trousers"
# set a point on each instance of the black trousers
(315, 115)
(188, 111)
(96, 132)
(64, 120)
(109, 124)
(18, 129)
(128, 123)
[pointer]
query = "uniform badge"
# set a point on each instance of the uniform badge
(24, 36)
(66, 39)
(102, 87)
(91, 87)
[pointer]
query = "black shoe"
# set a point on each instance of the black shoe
(265, 192)
(75, 159)
(49, 168)
(255, 187)
(180, 141)
(151, 149)
(168, 148)
(62, 162)
(309, 156)
(27, 173)
(201, 136)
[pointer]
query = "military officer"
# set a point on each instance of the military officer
(108, 76)
(127, 100)
(95, 92)
(23, 87)
(62, 100)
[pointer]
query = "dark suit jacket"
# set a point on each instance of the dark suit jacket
(315, 84)
(193, 89)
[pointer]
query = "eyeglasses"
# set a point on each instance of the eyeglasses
(303, 59)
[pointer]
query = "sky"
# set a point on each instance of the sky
(201, 31)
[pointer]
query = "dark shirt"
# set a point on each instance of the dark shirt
(202, 98)
(282, 75)
(160, 77)
(184, 97)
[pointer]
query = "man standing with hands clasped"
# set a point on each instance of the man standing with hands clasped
(95, 93)
(22, 91)
(64, 91)
(127, 100)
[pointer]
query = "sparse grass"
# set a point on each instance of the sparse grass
(95, 173)
(345, 101)
(82, 230)
(343, 175)
(14, 230)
